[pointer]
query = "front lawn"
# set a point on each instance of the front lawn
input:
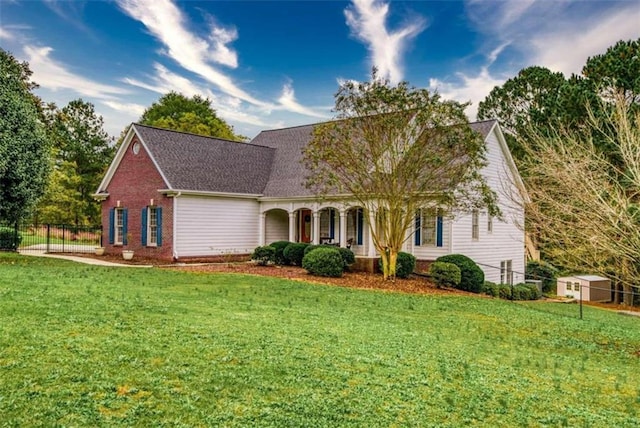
(92, 346)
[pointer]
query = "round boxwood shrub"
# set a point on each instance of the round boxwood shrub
(543, 272)
(525, 292)
(472, 277)
(405, 265)
(263, 255)
(445, 274)
(279, 258)
(9, 239)
(348, 257)
(490, 288)
(325, 261)
(294, 252)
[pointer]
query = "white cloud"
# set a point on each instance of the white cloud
(221, 53)
(164, 81)
(568, 48)
(130, 108)
(288, 100)
(53, 75)
(167, 23)
(367, 20)
(469, 88)
(4, 34)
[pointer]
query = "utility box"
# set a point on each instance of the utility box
(594, 288)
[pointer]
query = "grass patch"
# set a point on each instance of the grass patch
(84, 345)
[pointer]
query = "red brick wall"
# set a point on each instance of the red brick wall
(134, 184)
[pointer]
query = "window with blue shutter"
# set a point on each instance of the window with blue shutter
(124, 226)
(159, 226)
(418, 229)
(359, 222)
(143, 229)
(332, 224)
(439, 230)
(112, 225)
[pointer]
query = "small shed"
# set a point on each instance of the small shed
(594, 288)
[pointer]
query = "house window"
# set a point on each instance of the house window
(428, 223)
(568, 285)
(475, 225)
(489, 223)
(576, 286)
(152, 226)
(119, 227)
(152, 230)
(506, 272)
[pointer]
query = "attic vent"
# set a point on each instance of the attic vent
(136, 148)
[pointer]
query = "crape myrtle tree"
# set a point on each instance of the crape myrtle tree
(583, 204)
(24, 146)
(393, 150)
(188, 114)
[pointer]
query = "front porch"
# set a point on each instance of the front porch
(343, 226)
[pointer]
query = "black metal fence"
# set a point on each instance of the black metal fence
(50, 238)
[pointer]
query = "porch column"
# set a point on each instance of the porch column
(371, 249)
(316, 228)
(262, 229)
(292, 226)
(343, 228)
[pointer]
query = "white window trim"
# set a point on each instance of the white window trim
(152, 235)
(118, 228)
(425, 214)
(475, 225)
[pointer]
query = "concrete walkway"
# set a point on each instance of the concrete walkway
(85, 260)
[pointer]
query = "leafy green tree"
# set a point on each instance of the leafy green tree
(195, 115)
(616, 71)
(394, 150)
(24, 147)
(82, 151)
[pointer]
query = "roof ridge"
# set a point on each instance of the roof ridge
(191, 134)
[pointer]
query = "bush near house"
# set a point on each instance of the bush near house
(405, 265)
(472, 277)
(9, 240)
(324, 261)
(445, 274)
(348, 257)
(264, 255)
(279, 247)
(294, 253)
(504, 291)
(544, 272)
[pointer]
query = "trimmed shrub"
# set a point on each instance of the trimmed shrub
(279, 246)
(543, 272)
(525, 292)
(491, 288)
(348, 257)
(472, 277)
(405, 265)
(263, 255)
(9, 240)
(445, 274)
(325, 261)
(294, 252)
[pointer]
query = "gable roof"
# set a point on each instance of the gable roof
(198, 163)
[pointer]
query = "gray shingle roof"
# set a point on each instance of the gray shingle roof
(194, 162)
(270, 165)
(288, 174)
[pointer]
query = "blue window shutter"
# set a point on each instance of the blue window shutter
(332, 224)
(418, 233)
(360, 222)
(112, 225)
(439, 231)
(159, 224)
(144, 226)
(124, 227)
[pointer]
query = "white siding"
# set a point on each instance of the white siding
(506, 242)
(277, 226)
(209, 226)
(431, 252)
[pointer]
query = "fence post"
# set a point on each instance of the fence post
(580, 300)
(48, 236)
(15, 236)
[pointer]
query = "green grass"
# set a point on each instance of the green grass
(93, 346)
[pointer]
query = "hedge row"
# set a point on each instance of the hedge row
(505, 291)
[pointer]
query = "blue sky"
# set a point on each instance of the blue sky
(270, 64)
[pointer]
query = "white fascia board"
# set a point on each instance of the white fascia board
(177, 192)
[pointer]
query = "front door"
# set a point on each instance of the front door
(304, 225)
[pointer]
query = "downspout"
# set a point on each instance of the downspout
(175, 225)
